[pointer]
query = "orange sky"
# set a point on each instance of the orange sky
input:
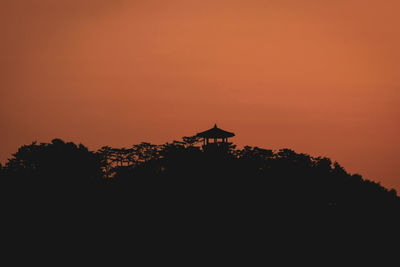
(320, 77)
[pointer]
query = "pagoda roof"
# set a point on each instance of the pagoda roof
(215, 132)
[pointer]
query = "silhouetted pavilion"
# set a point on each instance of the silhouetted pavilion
(215, 134)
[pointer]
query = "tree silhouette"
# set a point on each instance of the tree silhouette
(191, 140)
(255, 177)
(54, 163)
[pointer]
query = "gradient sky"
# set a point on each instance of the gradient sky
(319, 77)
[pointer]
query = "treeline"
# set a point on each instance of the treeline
(281, 178)
(217, 199)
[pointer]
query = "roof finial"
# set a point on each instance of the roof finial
(215, 125)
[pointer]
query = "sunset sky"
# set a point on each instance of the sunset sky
(319, 77)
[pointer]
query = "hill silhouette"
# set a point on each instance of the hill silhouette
(283, 178)
(244, 198)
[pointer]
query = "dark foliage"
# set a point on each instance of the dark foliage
(54, 164)
(282, 179)
(248, 195)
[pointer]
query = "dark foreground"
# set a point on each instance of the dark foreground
(177, 196)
